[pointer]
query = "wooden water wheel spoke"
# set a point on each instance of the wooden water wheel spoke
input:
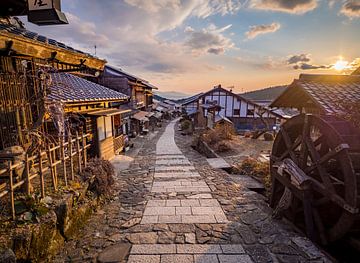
(292, 148)
(322, 172)
(303, 147)
(316, 147)
(288, 143)
(329, 155)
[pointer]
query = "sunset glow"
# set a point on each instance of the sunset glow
(341, 65)
(190, 46)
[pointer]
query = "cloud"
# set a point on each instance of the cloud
(209, 40)
(303, 61)
(132, 38)
(351, 9)
(262, 29)
(294, 59)
(306, 66)
(287, 6)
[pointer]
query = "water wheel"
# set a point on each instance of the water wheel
(323, 151)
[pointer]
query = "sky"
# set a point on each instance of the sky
(192, 45)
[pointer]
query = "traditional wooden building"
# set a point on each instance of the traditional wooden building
(26, 61)
(243, 113)
(139, 90)
(94, 109)
(320, 94)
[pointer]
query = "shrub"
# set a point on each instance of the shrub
(100, 173)
(185, 125)
(268, 136)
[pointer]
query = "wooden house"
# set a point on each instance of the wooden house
(26, 60)
(243, 113)
(94, 107)
(39, 91)
(320, 94)
(139, 90)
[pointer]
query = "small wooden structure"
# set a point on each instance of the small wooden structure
(315, 160)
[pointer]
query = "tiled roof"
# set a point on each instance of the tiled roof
(325, 92)
(35, 36)
(69, 88)
(191, 99)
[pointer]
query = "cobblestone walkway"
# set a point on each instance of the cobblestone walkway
(171, 206)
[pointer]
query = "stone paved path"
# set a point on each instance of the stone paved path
(196, 208)
(172, 206)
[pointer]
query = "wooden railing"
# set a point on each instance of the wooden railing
(45, 160)
(119, 143)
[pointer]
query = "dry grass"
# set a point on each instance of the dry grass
(256, 169)
(218, 134)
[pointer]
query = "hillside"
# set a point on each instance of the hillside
(264, 94)
(172, 95)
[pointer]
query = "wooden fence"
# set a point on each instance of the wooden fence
(70, 154)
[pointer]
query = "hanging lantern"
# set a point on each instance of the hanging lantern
(45, 12)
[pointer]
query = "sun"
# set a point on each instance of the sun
(341, 65)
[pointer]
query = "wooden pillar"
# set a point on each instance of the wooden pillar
(78, 151)
(42, 185)
(27, 175)
(50, 160)
(63, 158)
(85, 150)
(11, 190)
(70, 156)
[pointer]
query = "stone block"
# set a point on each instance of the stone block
(198, 249)
(153, 249)
(144, 259)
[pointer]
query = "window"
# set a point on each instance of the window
(250, 112)
(236, 112)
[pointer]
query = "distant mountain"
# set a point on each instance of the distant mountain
(171, 94)
(264, 94)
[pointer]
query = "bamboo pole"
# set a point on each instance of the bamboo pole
(49, 154)
(11, 189)
(62, 150)
(85, 150)
(27, 174)
(54, 164)
(70, 157)
(42, 185)
(78, 151)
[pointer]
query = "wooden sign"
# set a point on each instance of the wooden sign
(40, 4)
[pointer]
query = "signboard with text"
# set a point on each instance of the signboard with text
(40, 4)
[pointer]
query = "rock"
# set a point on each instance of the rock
(308, 247)
(190, 238)
(259, 254)
(115, 253)
(116, 237)
(7, 255)
(47, 200)
(27, 216)
(131, 222)
(160, 227)
(180, 239)
(166, 237)
(246, 234)
(143, 238)
(182, 228)
(268, 136)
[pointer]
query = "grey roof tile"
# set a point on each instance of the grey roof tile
(69, 88)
